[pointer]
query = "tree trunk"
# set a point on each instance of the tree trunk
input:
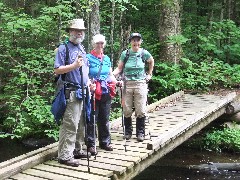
(170, 26)
(112, 30)
(94, 19)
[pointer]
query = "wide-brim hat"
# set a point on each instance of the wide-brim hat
(133, 35)
(76, 24)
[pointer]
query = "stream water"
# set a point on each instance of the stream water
(10, 148)
(174, 166)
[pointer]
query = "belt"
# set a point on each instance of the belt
(71, 87)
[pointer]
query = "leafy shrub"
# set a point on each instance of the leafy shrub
(28, 51)
(170, 78)
(222, 140)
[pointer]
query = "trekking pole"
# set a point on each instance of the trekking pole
(84, 114)
(123, 124)
(148, 121)
(94, 123)
(147, 117)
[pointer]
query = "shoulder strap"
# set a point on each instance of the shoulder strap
(142, 55)
(125, 59)
(100, 68)
(66, 60)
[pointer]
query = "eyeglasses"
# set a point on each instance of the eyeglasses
(100, 43)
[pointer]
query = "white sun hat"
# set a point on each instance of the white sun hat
(76, 24)
(99, 38)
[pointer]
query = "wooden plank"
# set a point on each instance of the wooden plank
(127, 153)
(21, 176)
(122, 157)
(184, 125)
(105, 165)
(27, 155)
(49, 175)
(27, 163)
(82, 168)
(131, 143)
(109, 160)
(67, 172)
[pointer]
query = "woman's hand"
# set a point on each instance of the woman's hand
(92, 85)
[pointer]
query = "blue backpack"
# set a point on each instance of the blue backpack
(59, 103)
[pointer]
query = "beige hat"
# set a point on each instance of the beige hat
(76, 24)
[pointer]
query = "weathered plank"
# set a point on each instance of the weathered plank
(21, 176)
(27, 163)
(67, 172)
(197, 116)
(123, 157)
(27, 155)
(82, 168)
(116, 169)
(49, 175)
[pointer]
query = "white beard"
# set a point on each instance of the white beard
(73, 38)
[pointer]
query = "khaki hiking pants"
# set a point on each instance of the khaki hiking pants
(72, 130)
(135, 95)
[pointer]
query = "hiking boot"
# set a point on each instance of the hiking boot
(127, 136)
(78, 154)
(140, 138)
(71, 162)
(140, 128)
(128, 128)
(107, 147)
(92, 151)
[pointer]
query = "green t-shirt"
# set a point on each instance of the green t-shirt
(134, 69)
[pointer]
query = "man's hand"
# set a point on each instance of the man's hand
(78, 62)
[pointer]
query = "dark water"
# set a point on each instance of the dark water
(174, 166)
(10, 148)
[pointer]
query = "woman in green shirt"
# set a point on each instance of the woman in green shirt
(132, 67)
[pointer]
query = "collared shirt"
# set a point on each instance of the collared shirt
(74, 50)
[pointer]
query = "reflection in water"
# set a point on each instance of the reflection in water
(10, 148)
(174, 166)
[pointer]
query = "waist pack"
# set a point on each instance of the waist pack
(59, 105)
(104, 88)
(112, 89)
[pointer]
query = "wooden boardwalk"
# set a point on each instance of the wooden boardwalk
(171, 121)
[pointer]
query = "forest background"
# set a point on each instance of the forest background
(195, 44)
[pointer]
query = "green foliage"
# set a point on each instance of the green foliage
(27, 88)
(116, 110)
(221, 42)
(222, 140)
(187, 75)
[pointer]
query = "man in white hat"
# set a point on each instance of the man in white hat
(71, 135)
